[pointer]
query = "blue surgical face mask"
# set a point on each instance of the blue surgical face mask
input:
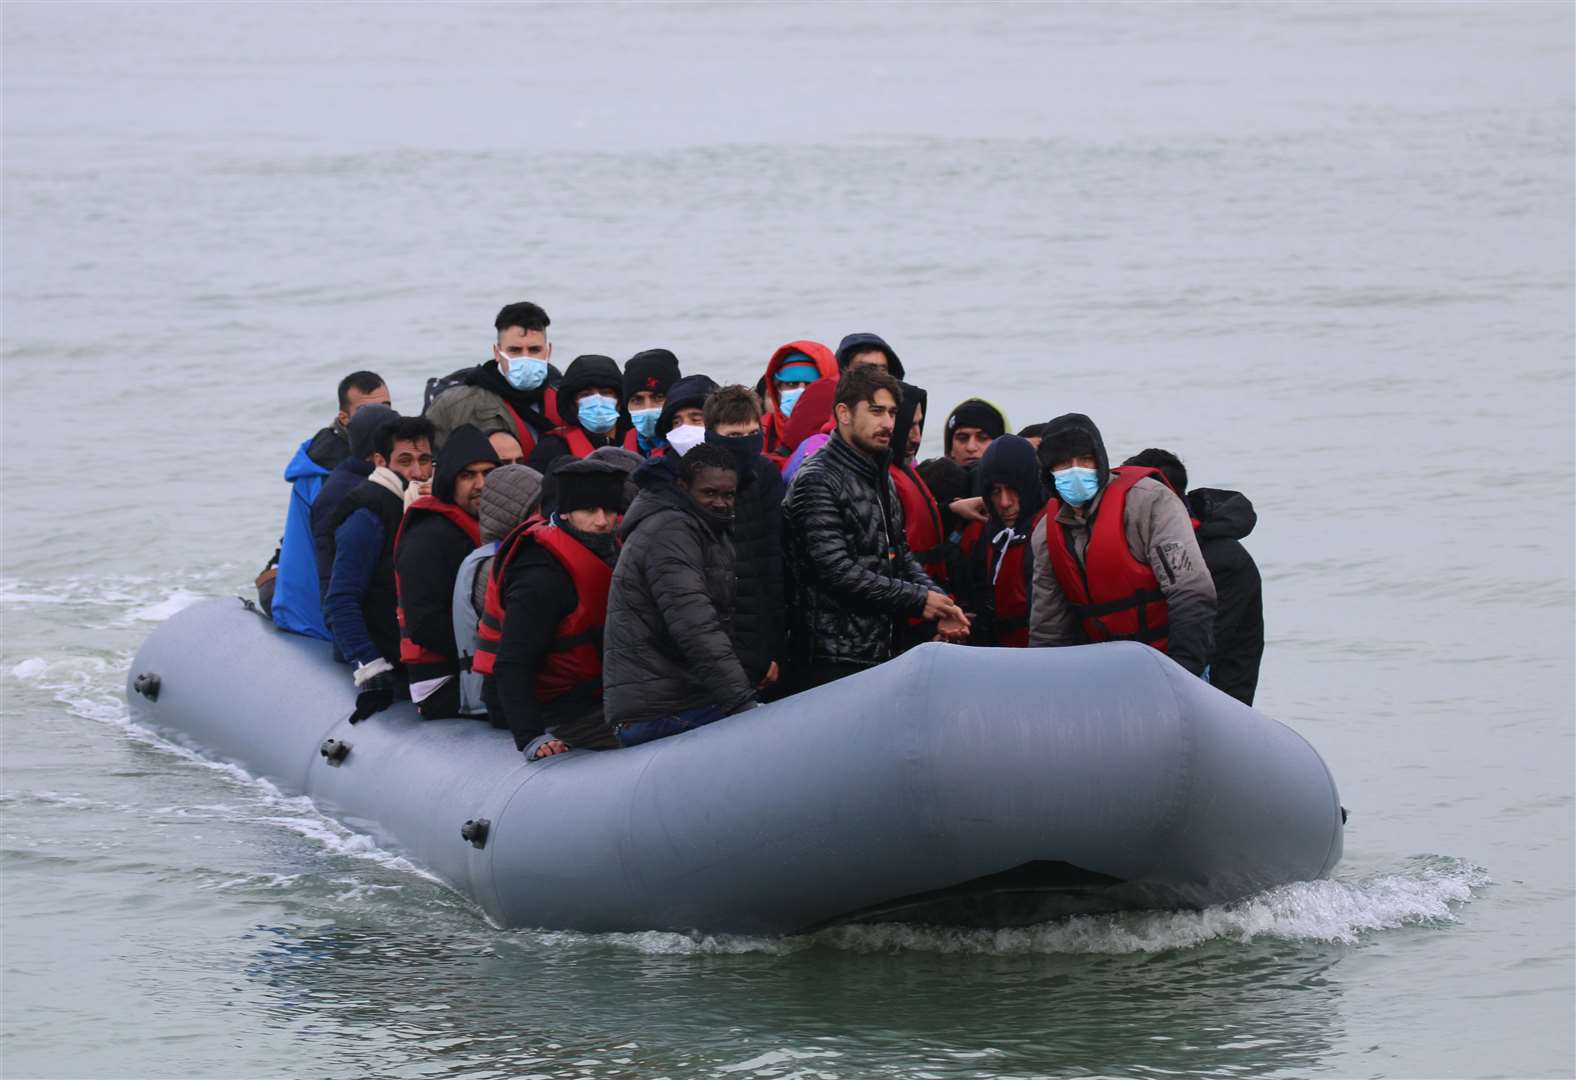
(787, 399)
(646, 422)
(525, 372)
(1076, 485)
(598, 413)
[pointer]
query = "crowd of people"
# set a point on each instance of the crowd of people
(607, 555)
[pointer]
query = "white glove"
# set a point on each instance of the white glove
(371, 670)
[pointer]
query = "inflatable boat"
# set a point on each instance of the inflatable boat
(952, 786)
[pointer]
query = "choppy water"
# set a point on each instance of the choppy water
(1324, 252)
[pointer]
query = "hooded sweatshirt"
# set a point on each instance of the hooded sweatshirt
(430, 551)
(858, 343)
(1224, 519)
(298, 599)
(773, 423)
(1158, 532)
(585, 373)
(1011, 461)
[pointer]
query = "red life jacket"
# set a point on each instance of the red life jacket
(524, 432)
(1115, 596)
(1009, 577)
(575, 657)
(632, 442)
(421, 662)
(921, 523)
(575, 438)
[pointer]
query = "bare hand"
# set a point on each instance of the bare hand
(549, 748)
(969, 509)
(771, 676)
(953, 629)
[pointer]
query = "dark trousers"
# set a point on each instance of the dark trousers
(441, 703)
(802, 678)
(644, 731)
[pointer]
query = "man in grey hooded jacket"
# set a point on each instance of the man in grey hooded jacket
(1171, 594)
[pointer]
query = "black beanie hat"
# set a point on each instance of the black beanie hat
(466, 446)
(585, 484)
(976, 413)
(689, 392)
(362, 429)
(654, 370)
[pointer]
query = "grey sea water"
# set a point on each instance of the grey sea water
(1324, 252)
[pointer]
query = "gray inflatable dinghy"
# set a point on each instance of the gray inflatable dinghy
(953, 785)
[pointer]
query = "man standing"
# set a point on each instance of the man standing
(670, 661)
(590, 399)
(861, 349)
(513, 391)
(647, 377)
(1115, 558)
(539, 646)
(733, 423)
(854, 575)
(1220, 521)
(346, 477)
(792, 368)
(292, 597)
(438, 532)
(996, 550)
(970, 428)
(361, 606)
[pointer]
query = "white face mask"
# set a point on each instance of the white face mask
(686, 438)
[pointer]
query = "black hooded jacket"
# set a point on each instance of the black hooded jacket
(585, 373)
(852, 574)
(1011, 461)
(431, 549)
(1224, 518)
(759, 620)
(858, 343)
(668, 645)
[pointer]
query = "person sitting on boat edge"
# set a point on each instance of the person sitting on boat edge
(733, 423)
(853, 575)
(591, 402)
(1220, 520)
(539, 646)
(361, 606)
(996, 551)
(1115, 557)
(348, 475)
(438, 532)
(287, 588)
(513, 390)
(670, 661)
(647, 377)
(511, 496)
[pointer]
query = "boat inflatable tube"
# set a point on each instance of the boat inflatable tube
(952, 785)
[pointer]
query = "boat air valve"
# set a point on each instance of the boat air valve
(475, 831)
(147, 684)
(335, 751)
(1343, 815)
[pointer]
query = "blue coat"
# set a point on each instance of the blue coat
(298, 604)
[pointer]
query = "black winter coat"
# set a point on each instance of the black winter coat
(428, 560)
(759, 619)
(668, 644)
(852, 575)
(1225, 517)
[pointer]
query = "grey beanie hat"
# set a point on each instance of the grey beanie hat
(512, 494)
(627, 460)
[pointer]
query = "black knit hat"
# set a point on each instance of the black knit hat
(586, 484)
(652, 370)
(689, 392)
(975, 413)
(1073, 435)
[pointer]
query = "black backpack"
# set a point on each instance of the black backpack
(439, 383)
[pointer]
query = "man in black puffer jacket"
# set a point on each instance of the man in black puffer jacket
(669, 662)
(733, 423)
(853, 575)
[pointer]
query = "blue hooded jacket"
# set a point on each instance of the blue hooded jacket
(298, 604)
